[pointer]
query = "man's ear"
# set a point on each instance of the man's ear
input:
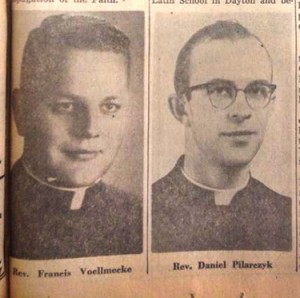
(177, 107)
(19, 111)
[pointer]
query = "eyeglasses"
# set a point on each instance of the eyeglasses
(222, 94)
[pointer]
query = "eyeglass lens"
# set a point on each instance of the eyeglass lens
(222, 94)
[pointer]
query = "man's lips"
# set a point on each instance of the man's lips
(82, 154)
(238, 133)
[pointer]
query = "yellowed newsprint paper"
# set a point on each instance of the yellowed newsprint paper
(3, 43)
(155, 148)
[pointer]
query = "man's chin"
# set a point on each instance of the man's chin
(238, 157)
(236, 162)
(79, 180)
(80, 174)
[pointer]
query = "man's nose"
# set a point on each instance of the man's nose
(240, 110)
(89, 124)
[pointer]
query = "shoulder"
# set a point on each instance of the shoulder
(170, 192)
(18, 171)
(166, 192)
(267, 200)
(126, 210)
(264, 192)
(124, 203)
(273, 214)
(121, 197)
(20, 181)
(170, 183)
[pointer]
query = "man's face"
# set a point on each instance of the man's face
(75, 132)
(231, 136)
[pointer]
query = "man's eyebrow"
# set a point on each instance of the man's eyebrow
(112, 97)
(70, 96)
(260, 82)
(75, 97)
(213, 81)
(223, 81)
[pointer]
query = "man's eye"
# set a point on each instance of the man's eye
(221, 90)
(63, 107)
(257, 90)
(110, 108)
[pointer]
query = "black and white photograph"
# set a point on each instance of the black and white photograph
(151, 148)
(222, 116)
(77, 165)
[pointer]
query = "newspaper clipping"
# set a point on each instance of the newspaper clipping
(155, 148)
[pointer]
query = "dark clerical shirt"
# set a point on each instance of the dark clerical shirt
(109, 222)
(186, 218)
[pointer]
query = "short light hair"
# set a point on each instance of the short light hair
(230, 30)
(45, 51)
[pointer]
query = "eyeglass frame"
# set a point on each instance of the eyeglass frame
(190, 89)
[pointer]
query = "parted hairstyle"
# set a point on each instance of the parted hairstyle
(45, 51)
(230, 30)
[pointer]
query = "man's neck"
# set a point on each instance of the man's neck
(49, 179)
(215, 176)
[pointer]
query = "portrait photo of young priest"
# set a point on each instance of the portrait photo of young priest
(224, 96)
(72, 108)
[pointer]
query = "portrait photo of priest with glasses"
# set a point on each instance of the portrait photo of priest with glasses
(224, 96)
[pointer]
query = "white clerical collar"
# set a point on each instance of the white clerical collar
(79, 192)
(223, 197)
